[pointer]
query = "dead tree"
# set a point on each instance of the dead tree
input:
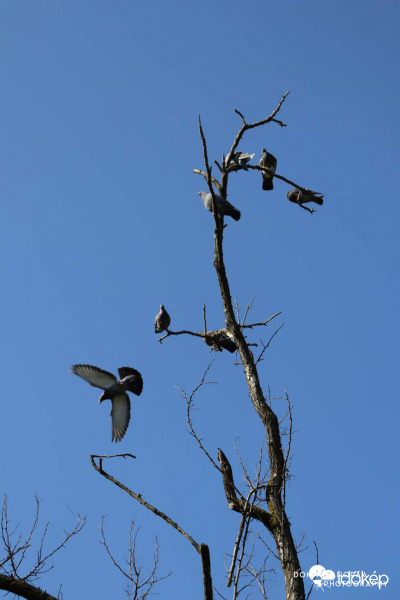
(274, 519)
(18, 568)
(264, 502)
(138, 585)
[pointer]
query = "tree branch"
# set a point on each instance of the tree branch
(239, 504)
(245, 127)
(22, 588)
(138, 497)
(215, 181)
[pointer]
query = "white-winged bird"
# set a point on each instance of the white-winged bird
(223, 207)
(114, 390)
(269, 161)
(162, 320)
(241, 159)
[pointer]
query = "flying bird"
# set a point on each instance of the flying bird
(241, 159)
(302, 197)
(162, 320)
(269, 161)
(114, 390)
(223, 206)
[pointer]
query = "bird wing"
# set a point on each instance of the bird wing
(158, 323)
(245, 156)
(95, 376)
(131, 379)
(227, 344)
(226, 208)
(315, 193)
(120, 416)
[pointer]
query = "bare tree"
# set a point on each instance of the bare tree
(263, 503)
(19, 566)
(139, 586)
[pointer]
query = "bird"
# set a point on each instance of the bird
(269, 161)
(114, 390)
(162, 320)
(304, 196)
(219, 342)
(241, 159)
(223, 206)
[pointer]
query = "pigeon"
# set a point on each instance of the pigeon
(114, 390)
(223, 206)
(241, 159)
(162, 320)
(302, 197)
(269, 161)
(220, 342)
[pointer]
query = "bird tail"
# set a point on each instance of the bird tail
(134, 381)
(267, 184)
(228, 345)
(235, 213)
(319, 200)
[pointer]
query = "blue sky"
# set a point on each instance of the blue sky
(101, 223)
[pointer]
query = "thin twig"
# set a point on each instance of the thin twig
(287, 455)
(139, 587)
(189, 406)
(124, 455)
(262, 323)
(249, 307)
(317, 563)
(266, 346)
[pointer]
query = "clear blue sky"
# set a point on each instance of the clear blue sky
(101, 223)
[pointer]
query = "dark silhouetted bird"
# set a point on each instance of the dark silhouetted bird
(241, 159)
(269, 161)
(223, 206)
(300, 197)
(220, 342)
(162, 320)
(114, 390)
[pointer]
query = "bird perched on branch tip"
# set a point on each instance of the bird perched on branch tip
(162, 320)
(302, 197)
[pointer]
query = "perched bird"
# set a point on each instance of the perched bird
(241, 159)
(114, 390)
(223, 206)
(162, 320)
(220, 342)
(269, 161)
(302, 197)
